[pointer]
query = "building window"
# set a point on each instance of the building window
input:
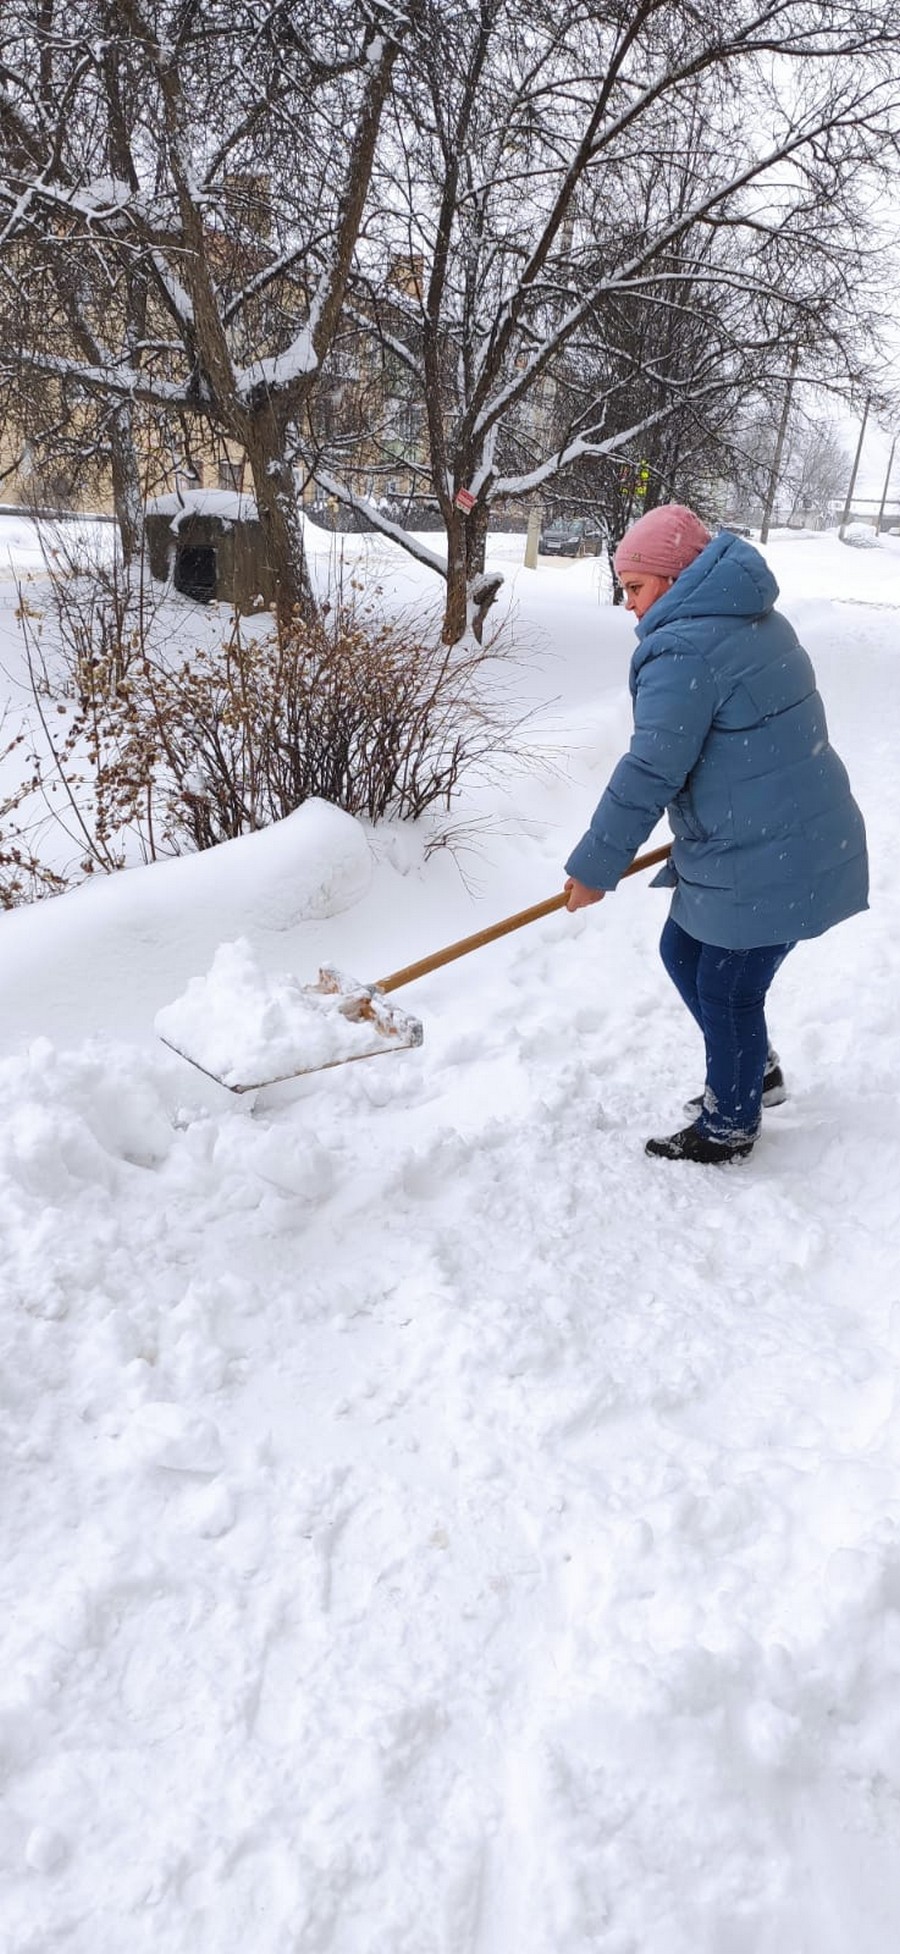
(231, 475)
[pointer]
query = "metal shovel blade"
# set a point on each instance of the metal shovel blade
(314, 1027)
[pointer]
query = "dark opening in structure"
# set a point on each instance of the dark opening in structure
(195, 572)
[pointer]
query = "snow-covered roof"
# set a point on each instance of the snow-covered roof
(227, 504)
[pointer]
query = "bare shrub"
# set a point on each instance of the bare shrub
(23, 878)
(355, 709)
(86, 775)
(101, 610)
(374, 715)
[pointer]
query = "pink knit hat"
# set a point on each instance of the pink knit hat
(662, 543)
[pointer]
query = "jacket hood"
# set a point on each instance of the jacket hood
(728, 579)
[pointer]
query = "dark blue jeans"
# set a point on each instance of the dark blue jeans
(725, 991)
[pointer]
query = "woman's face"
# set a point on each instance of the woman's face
(642, 591)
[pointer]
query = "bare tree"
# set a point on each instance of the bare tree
(614, 218)
(533, 166)
(813, 462)
(193, 182)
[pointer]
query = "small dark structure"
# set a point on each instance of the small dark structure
(210, 543)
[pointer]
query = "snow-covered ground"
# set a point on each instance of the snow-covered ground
(429, 1525)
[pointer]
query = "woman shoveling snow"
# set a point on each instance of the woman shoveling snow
(730, 740)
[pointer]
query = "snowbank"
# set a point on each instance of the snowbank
(114, 950)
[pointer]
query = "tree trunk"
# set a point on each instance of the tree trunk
(456, 607)
(276, 501)
(126, 483)
(470, 593)
(775, 469)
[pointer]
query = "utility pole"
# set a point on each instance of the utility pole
(548, 408)
(887, 484)
(849, 502)
(775, 471)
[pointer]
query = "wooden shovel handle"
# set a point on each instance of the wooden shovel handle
(517, 922)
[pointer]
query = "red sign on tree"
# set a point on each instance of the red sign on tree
(464, 500)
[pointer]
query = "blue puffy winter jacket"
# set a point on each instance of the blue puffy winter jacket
(730, 739)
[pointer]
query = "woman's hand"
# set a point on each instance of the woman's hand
(579, 896)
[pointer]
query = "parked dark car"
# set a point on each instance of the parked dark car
(572, 537)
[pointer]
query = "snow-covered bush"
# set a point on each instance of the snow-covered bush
(142, 751)
(84, 641)
(860, 536)
(101, 611)
(352, 708)
(22, 876)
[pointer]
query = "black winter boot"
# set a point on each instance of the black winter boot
(774, 1091)
(690, 1144)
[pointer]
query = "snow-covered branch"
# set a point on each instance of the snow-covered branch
(363, 506)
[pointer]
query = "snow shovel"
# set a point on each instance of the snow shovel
(247, 1031)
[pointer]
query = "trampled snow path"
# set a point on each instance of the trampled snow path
(430, 1525)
